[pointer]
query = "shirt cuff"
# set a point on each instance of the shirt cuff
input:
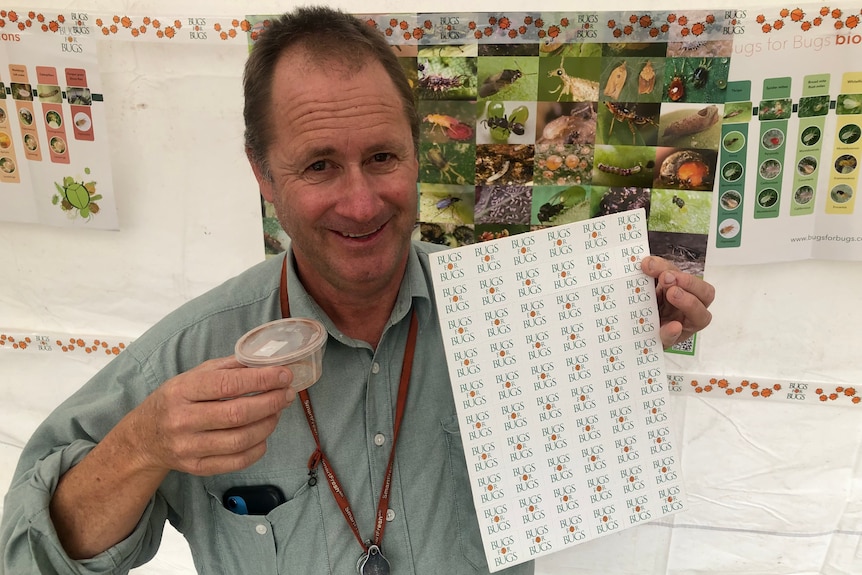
(35, 545)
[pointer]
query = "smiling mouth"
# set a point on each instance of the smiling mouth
(361, 236)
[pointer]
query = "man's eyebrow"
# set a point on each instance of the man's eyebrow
(316, 152)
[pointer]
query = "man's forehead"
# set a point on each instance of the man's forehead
(306, 58)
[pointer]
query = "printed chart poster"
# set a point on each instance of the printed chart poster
(791, 146)
(558, 374)
(54, 151)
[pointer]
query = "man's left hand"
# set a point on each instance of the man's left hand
(683, 300)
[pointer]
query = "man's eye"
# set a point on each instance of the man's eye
(320, 171)
(383, 162)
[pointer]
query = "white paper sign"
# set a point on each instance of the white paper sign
(556, 364)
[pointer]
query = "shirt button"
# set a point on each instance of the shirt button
(261, 529)
(379, 439)
(390, 514)
(375, 368)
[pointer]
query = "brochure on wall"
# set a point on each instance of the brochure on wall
(54, 152)
(790, 140)
(552, 343)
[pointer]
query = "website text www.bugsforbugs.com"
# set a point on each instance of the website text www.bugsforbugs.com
(826, 238)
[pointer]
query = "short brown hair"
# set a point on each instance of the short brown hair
(326, 32)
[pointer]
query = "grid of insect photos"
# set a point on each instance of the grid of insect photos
(520, 136)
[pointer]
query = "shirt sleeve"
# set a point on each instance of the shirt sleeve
(30, 542)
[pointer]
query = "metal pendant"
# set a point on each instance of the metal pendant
(373, 562)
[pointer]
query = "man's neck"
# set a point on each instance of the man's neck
(360, 311)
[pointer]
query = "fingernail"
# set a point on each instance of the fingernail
(284, 377)
(668, 278)
(648, 262)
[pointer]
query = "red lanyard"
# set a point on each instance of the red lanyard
(318, 457)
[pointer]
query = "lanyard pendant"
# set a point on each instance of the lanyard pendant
(373, 562)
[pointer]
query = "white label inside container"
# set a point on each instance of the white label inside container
(270, 349)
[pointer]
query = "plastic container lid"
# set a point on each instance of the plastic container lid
(285, 342)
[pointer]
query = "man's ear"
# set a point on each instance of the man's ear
(264, 181)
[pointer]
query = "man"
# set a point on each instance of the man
(165, 430)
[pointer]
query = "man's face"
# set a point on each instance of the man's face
(343, 171)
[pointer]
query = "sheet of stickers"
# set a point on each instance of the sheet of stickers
(556, 364)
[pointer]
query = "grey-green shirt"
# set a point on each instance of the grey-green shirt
(431, 527)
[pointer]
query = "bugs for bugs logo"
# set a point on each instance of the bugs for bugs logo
(77, 198)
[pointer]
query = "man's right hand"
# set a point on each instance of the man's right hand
(205, 421)
(212, 419)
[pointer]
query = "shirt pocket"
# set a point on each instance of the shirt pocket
(289, 539)
(468, 525)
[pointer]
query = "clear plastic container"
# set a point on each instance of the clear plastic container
(295, 342)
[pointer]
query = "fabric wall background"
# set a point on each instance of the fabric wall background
(772, 488)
